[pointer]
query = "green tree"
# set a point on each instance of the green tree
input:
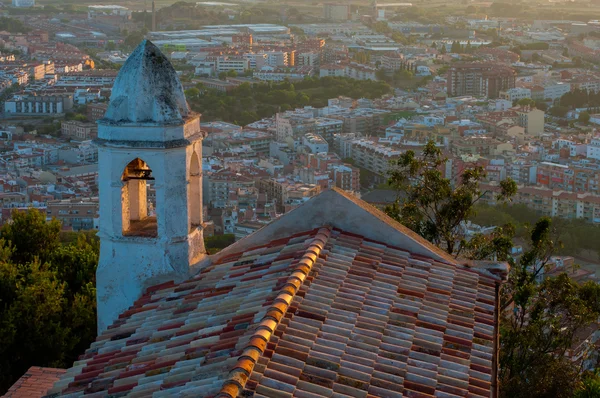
(541, 105)
(589, 387)
(539, 322)
(47, 295)
(558, 111)
(430, 205)
(456, 47)
(540, 313)
(584, 117)
(192, 94)
(133, 39)
(526, 102)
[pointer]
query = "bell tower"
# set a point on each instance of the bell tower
(150, 184)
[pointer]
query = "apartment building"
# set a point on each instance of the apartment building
(552, 203)
(550, 90)
(297, 123)
(515, 94)
(287, 194)
(222, 183)
(392, 61)
(79, 130)
(364, 121)
(315, 143)
(75, 214)
(480, 79)
(556, 176)
(32, 104)
(96, 112)
(531, 119)
(365, 153)
(334, 70)
(227, 63)
(593, 149)
(474, 145)
(346, 177)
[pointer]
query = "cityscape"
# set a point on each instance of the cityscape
(438, 160)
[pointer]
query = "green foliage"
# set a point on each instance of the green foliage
(133, 39)
(12, 25)
(575, 235)
(47, 295)
(248, 103)
(526, 102)
(541, 105)
(589, 387)
(539, 316)
(558, 111)
(216, 243)
(430, 204)
(539, 322)
(584, 117)
(580, 98)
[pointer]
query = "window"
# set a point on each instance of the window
(137, 220)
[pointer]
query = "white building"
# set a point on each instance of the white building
(26, 104)
(515, 94)
(23, 3)
(554, 91)
(277, 58)
(148, 134)
(227, 63)
(315, 143)
(256, 61)
(593, 149)
(332, 70)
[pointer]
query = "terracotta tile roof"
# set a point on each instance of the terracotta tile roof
(321, 313)
(34, 383)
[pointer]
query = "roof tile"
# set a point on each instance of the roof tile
(321, 313)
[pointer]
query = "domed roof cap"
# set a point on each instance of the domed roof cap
(147, 90)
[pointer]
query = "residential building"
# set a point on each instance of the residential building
(32, 104)
(515, 94)
(222, 183)
(227, 63)
(367, 154)
(480, 79)
(552, 202)
(287, 194)
(315, 143)
(593, 149)
(79, 130)
(23, 3)
(531, 119)
(96, 112)
(75, 214)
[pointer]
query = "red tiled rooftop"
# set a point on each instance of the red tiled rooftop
(321, 313)
(34, 383)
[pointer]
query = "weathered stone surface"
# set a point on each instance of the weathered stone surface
(147, 90)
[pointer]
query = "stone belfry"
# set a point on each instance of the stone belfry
(149, 144)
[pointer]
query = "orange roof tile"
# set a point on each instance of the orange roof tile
(319, 313)
(34, 383)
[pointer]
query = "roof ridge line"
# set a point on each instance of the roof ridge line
(238, 376)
